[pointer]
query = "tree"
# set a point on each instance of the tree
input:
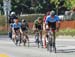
(70, 4)
(56, 3)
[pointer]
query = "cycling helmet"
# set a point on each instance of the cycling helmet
(12, 13)
(52, 13)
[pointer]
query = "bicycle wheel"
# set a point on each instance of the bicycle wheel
(37, 39)
(54, 45)
(49, 46)
(17, 39)
(24, 41)
(28, 42)
(20, 39)
(49, 38)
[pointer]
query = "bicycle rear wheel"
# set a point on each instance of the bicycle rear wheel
(17, 39)
(54, 44)
(37, 39)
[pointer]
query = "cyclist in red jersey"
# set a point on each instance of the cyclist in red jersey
(44, 25)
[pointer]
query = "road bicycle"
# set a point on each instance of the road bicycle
(51, 46)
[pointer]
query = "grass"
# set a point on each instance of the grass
(66, 32)
(61, 32)
(3, 32)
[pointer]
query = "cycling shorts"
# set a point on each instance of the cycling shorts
(16, 29)
(39, 27)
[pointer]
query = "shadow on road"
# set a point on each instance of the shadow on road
(66, 51)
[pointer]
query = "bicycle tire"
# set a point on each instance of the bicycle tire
(51, 42)
(37, 39)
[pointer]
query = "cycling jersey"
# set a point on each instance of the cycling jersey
(38, 25)
(44, 19)
(24, 26)
(52, 21)
(16, 26)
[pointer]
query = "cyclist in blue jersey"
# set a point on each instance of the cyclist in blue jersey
(52, 20)
(11, 21)
(16, 26)
(53, 24)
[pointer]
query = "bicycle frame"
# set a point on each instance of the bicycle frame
(38, 39)
(25, 38)
(17, 37)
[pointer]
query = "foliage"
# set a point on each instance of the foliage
(69, 4)
(38, 6)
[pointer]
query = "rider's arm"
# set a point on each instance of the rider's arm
(20, 27)
(34, 26)
(58, 23)
(21, 30)
(13, 30)
(46, 22)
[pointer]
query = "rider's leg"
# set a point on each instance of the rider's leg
(25, 33)
(20, 38)
(54, 38)
(44, 42)
(54, 44)
(13, 37)
(41, 42)
(36, 37)
(25, 37)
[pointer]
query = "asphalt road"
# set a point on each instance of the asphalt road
(65, 48)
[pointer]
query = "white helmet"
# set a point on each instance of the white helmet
(12, 13)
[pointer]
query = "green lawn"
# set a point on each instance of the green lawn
(66, 32)
(61, 32)
(3, 32)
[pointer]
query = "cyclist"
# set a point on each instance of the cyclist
(51, 22)
(11, 21)
(16, 26)
(24, 25)
(38, 25)
(25, 28)
(44, 25)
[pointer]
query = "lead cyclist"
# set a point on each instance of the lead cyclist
(53, 22)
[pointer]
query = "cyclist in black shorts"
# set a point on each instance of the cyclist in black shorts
(38, 26)
(25, 28)
(51, 23)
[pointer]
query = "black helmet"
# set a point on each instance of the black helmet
(52, 13)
